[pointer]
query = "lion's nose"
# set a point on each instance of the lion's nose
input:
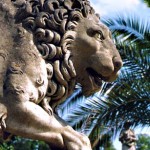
(117, 63)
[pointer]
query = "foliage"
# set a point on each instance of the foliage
(104, 142)
(18, 143)
(143, 142)
(147, 2)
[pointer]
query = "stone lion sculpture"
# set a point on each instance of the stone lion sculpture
(46, 47)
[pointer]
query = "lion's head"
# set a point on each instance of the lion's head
(76, 46)
(93, 52)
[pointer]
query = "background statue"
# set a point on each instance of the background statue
(46, 47)
(127, 137)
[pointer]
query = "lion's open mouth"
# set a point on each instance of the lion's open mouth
(98, 78)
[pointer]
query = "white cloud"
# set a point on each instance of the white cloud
(108, 7)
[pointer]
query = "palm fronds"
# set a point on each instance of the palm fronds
(147, 2)
(128, 98)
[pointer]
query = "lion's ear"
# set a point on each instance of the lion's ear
(75, 17)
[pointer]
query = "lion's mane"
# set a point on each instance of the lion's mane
(49, 21)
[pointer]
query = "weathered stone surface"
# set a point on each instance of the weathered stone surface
(46, 47)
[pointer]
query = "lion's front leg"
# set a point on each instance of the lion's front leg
(29, 120)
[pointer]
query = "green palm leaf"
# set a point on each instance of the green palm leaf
(147, 2)
(128, 98)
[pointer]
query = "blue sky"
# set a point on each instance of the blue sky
(112, 7)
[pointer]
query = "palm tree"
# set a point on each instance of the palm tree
(128, 98)
(147, 2)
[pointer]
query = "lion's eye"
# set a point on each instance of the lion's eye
(99, 35)
(95, 33)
